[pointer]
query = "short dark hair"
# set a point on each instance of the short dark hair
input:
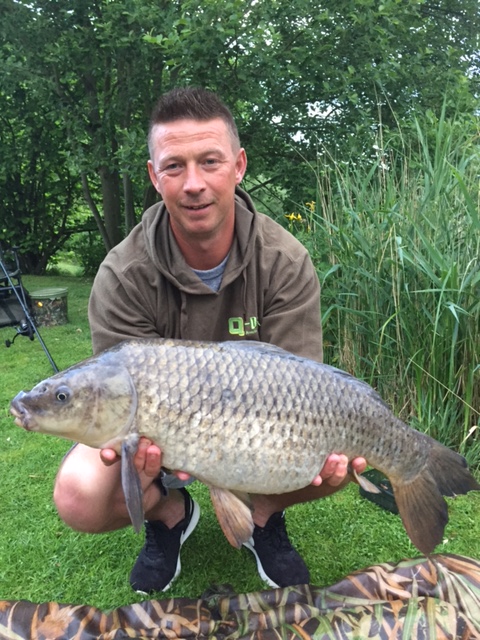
(193, 103)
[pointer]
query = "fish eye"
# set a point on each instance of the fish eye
(62, 395)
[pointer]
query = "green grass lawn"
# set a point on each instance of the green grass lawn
(42, 560)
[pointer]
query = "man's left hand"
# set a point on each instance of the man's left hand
(335, 469)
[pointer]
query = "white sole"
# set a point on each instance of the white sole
(250, 545)
(189, 530)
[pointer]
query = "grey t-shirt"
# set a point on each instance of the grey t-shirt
(213, 277)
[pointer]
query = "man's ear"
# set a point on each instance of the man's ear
(240, 165)
(153, 176)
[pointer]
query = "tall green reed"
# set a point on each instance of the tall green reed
(396, 239)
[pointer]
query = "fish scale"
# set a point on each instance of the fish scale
(244, 418)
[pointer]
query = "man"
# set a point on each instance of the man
(202, 264)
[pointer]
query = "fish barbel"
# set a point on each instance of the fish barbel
(243, 418)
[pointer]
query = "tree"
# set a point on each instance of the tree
(37, 190)
(299, 76)
(88, 66)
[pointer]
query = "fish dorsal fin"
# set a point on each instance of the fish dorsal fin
(267, 349)
(259, 347)
(234, 515)
(131, 484)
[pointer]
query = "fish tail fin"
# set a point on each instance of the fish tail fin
(420, 501)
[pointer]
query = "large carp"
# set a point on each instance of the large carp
(243, 417)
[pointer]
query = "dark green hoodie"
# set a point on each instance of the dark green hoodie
(269, 290)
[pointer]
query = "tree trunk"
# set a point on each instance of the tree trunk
(150, 197)
(95, 212)
(129, 207)
(110, 184)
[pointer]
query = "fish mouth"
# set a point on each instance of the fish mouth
(21, 416)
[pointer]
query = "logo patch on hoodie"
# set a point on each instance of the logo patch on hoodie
(240, 327)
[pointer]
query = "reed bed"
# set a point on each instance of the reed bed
(396, 240)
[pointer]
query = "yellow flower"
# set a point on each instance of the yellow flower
(295, 217)
(311, 205)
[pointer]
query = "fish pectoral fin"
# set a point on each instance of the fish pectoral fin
(365, 483)
(234, 515)
(131, 484)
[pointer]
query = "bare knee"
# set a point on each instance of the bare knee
(71, 501)
(88, 495)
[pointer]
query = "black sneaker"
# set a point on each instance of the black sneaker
(158, 563)
(278, 563)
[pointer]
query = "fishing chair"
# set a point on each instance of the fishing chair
(16, 308)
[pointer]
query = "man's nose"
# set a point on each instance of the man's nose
(194, 181)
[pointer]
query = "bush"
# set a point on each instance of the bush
(89, 250)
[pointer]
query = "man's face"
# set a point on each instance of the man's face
(195, 168)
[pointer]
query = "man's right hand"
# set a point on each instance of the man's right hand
(147, 460)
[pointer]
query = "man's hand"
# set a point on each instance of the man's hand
(147, 460)
(335, 470)
(109, 456)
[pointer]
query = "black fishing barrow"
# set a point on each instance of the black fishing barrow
(15, 303)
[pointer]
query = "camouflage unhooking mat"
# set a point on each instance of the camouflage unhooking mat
(421, 598)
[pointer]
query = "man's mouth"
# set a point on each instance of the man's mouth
(196, 207)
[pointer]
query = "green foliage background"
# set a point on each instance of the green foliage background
(78, 81)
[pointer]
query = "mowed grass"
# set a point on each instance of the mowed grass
(41, 559)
